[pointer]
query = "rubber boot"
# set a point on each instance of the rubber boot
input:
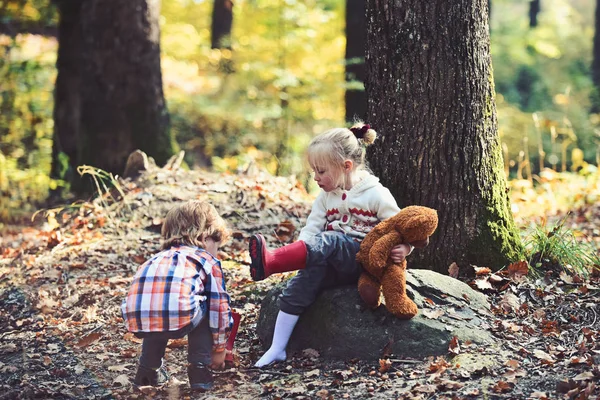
(291, 257)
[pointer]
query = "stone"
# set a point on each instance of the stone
(340, 327)
(137, 162)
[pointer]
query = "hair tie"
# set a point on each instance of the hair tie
(360, 132)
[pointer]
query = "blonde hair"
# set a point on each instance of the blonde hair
(333, 147)
(191, 223)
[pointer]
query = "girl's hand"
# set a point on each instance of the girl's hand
(399, 252)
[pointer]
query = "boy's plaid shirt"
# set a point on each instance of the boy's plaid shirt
(169, 289)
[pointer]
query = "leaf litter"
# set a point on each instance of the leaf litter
(63, 278)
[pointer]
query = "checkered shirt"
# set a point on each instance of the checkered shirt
(169, 290)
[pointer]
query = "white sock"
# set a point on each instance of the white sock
(283, 330)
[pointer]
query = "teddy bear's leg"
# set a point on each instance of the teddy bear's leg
(369, 290)
(394, 292)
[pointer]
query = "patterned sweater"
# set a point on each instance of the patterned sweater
(354, 212)
(172, 287)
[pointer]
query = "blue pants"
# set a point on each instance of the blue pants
(200, 343)
(330, 261)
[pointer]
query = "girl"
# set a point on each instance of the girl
(351, 203)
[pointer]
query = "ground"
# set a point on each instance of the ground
(62, 280)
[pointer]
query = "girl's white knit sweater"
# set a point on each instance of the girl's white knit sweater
(354, 212)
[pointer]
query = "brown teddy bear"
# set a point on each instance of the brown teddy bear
(413, 225)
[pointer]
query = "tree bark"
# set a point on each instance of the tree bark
(356, 98)
(67, 97)
(109, 95)
(431, 97)
(222, 20)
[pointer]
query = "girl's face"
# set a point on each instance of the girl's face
(327, 177)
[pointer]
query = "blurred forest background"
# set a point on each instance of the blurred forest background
(284, 74)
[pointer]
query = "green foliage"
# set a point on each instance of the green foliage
(26, 83)
(556, 248)
(544, 70)
(286, 84)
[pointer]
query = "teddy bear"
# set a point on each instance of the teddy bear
(412, 225)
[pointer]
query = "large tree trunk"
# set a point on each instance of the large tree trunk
(356, 97)
(431, 97)
(109, 96)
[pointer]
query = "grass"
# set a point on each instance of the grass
(556, 248)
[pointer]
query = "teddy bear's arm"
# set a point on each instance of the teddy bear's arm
(380, 251)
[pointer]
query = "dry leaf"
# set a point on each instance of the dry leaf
(510, 302)
(584, 376)
(481, 270)
(433, 313)
(311, 353)
(89, 339)
(453, 270)
(122, 380)
(285, 231)
(384, 365)
(119, 368)
(483, 284)
(454, 346)
(518, 271)
(542, 355)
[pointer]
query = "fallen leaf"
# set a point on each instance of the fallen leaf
(119, 368)
(584, 376)
(542, 355)
(122, 380)
(89, 339)
(453, 270)
(384, 365)
(518, 271)
(454, 346)
(481, 270)
(433, 313)
(311, 353)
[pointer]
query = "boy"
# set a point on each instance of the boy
(181, 291)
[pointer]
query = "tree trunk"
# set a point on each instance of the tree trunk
(596, 62)
(356, 97)
(431, 97)
(109, 96)
(67, 97)
(534, 10)
(222, 19)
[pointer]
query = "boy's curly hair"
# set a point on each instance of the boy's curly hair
(190, 223)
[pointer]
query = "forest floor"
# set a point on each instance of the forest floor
(62, 280)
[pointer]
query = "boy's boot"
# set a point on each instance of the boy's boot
(229, 346)
(151, 377)
(264, 263)
(200, 377)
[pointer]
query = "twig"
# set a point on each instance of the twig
(406, 361)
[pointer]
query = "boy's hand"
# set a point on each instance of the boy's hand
(399, 253)
(218, 360)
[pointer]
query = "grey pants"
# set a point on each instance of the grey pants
(200, 343)
(330, 261)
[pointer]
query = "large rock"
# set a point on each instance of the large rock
(340, 327)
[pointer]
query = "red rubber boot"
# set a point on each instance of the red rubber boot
(291, 257)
